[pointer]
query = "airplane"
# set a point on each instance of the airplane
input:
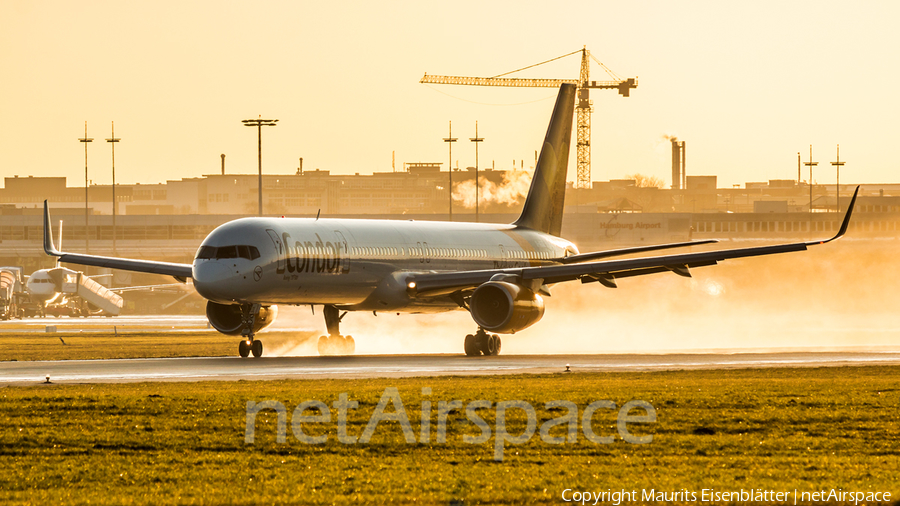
(54, 291)
(498, 273)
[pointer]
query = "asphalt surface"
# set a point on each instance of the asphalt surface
(267, 368)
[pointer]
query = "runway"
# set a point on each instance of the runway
(372, 366)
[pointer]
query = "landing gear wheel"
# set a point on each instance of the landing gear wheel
(470, 346)
(257, 348)
(336, 345)
(489, 348)
(244, 348)
(349, 345)
(481, 342)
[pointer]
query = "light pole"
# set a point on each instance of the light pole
(259, 123)
(86, 140)
(476, 140)
(113, 140)
(450, 140)
(810, 164)
(838, 165)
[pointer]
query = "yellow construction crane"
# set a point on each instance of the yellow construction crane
(584, 103)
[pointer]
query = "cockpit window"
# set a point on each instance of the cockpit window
(240, 251)
(227, 252)
(248, 252)
(206, 252)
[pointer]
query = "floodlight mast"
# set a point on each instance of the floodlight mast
(86, 140)
(113, 140)
(450, 140)
(477, 140)
(259, 123)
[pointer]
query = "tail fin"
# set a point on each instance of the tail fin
(546, 197)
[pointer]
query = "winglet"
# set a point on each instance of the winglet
(846, 222)
(49, 248)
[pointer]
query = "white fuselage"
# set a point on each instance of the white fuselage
(356, 264)
(41, 287)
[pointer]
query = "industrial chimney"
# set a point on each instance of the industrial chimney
(678, 172)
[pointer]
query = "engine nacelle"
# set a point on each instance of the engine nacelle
(498, 306)
(226, 318)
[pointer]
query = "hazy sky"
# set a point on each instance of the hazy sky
(746, 84)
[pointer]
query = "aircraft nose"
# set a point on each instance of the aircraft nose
(210, 279)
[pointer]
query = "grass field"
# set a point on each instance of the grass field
(152, 443)
(108, 345)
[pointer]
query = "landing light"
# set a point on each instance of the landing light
(411, 285)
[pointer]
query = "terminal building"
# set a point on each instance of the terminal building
(167, 221)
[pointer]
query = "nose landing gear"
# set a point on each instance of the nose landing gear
(334, 343)
(249, 345)
(482, 343)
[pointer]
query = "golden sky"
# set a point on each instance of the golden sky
(747, 85)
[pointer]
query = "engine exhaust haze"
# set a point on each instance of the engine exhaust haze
(837, 296)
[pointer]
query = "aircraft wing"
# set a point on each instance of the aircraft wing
(181, 272)
(585, 257)
(605, 272)
(176, 287)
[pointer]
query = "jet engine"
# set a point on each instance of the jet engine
(499, 306)
(226, 318)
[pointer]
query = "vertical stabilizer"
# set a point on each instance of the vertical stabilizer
(543, 208)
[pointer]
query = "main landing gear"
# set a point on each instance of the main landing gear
(334, 343)
(482, 343)
(249, 344)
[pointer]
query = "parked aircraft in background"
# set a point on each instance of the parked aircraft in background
(65, 292)
(498, 273)
(62, 292)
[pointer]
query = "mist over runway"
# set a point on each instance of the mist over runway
(374, 366)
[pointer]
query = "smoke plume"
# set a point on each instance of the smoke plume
(512, 190)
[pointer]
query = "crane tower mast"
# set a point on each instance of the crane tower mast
(583, 108)
(583, 120)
